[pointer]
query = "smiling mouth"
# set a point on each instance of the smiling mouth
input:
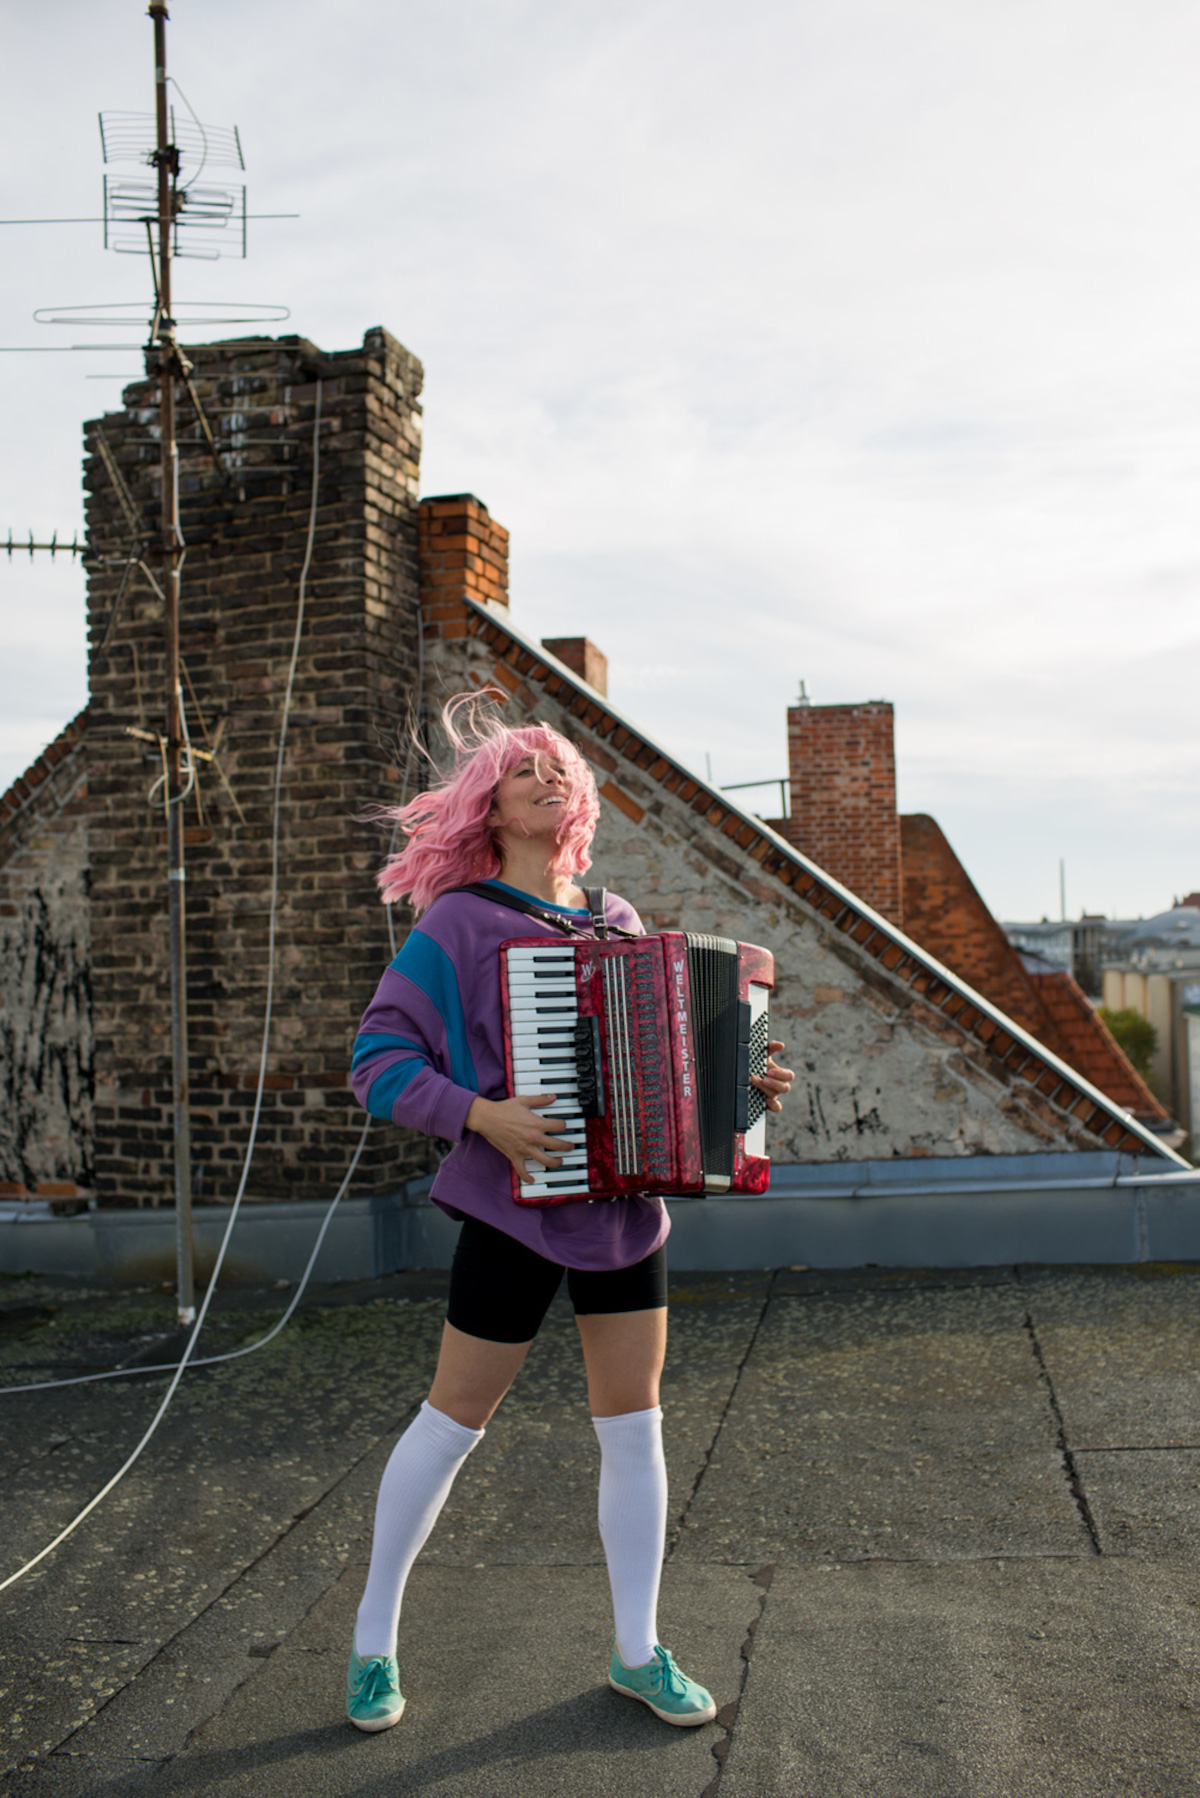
(553, 800)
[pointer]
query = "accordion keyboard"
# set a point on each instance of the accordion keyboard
(544, 1021)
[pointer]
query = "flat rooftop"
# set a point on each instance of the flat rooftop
(933, 1535)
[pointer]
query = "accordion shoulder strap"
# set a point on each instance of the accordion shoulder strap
(595, 897)
(515, 903)
(568, 926)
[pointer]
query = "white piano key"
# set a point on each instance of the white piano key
(540, 977)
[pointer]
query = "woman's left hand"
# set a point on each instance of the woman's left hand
(776, 1082)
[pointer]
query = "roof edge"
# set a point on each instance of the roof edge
(27, 787)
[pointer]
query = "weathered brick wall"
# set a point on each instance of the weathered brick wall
(842, 766)
(354, 685)
(46, 1135)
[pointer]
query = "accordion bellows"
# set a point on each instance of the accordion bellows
(649, 1046)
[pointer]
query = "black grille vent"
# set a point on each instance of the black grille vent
(713, 971)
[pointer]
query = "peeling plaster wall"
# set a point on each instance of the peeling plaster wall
(46, 1127)
(879, 1074)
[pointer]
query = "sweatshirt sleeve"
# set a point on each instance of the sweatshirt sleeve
(412, 1063)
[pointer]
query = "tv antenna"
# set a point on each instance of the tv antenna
(168, 215)
(165, 213)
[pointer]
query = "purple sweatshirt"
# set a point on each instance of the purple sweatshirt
(431, 1040)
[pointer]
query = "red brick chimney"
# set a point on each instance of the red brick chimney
(583, 658)
(461, 551)
(842, 765)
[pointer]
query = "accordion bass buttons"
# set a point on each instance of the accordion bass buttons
(587, 1068)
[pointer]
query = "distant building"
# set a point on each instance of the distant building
(1052, 942)
(1083, 946)
(1157, 974)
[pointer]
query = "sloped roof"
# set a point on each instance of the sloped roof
(1178, 928)
(1083, 1039)
(944, 911)
(24, 794)
(1009, 1045)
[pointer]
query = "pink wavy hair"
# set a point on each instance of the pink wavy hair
(450, 839)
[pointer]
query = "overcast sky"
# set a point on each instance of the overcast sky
(846, 339)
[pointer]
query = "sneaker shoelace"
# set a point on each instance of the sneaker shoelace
(669, 1679)
(376, 1681)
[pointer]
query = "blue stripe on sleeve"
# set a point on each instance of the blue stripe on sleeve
(427, 965)
(365, 1046)
(383, 1092)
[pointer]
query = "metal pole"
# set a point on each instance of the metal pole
(166, 158)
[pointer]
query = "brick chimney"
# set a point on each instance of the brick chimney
(355, 681)
(462, 552)
(583, 658)
(842, 767)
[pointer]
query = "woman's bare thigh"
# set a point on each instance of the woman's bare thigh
(624, 1353)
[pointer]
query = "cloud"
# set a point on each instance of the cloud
(848, 341)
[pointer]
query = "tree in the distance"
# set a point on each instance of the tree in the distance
(1134, 1033)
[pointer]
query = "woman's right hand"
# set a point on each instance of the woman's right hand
(514, 1127)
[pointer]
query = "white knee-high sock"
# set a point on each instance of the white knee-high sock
(633, 1525)
(415, 1485)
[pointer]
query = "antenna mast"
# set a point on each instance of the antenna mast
(166, 161)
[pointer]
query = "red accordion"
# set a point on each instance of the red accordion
(649, 1045)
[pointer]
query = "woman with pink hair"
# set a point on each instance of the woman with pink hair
(512, 825)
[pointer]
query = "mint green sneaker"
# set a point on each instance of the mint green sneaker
(669, 1693)
(373, 1696)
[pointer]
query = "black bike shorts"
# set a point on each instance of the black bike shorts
(501, 1290)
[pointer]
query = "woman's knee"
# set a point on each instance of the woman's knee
(473, 1376)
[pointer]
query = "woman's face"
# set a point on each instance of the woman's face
(531, 798)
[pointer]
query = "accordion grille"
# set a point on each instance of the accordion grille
(713, 976)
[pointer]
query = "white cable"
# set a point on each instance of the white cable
(200, 128)
(262, 1069)
(129, 1373)
(250, 1348)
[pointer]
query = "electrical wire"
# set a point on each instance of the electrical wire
(104, 1491)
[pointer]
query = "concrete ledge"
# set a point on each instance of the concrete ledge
(957, 1212)
(270, 1242)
